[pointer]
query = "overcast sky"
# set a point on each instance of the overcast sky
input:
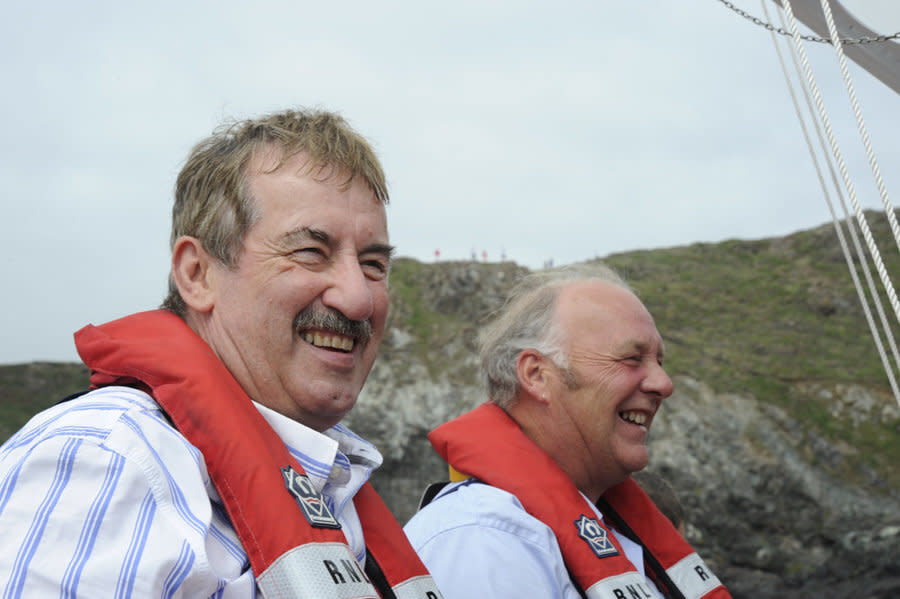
(534, 130)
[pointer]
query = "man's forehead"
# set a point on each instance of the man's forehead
(596, 295)
(598, 306)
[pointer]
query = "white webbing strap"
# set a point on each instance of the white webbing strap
(420, 587)
(629, 584)
(316, 571)
(692, 577)
(329, 571)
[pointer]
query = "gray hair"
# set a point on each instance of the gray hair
(528, 321)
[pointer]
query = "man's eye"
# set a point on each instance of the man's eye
(375, 269)
(309, 254)
(309, 251)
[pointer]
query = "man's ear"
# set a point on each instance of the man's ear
(192, 271)
(531, 370)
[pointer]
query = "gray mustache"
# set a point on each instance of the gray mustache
(333, 321)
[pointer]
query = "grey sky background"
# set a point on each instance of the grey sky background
(534, 130)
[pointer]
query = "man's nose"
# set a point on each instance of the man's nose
(349, 291)
(658, 382)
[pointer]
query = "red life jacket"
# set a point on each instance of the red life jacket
(293, 542)
(488, 445)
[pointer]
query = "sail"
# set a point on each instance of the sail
(881, 59)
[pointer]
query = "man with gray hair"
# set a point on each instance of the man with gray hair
(209, 460)
(541, 503)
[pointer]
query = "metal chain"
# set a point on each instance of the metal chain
(809, 38)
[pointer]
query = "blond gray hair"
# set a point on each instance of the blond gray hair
(528, 321)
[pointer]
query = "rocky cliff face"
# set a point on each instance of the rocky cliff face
(777, 503)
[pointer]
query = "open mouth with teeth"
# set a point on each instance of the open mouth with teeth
(330, 341)
(638, 418)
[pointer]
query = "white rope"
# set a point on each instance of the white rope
(847, 254)
(873, 163)
(863, 132)
(842, 240)
(848, 184)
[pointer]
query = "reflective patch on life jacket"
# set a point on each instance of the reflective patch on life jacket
(630, 585)
(420, 587)
(316, 571)
(693, 577)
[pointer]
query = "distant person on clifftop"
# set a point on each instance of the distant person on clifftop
(209, 458)
(541, 503)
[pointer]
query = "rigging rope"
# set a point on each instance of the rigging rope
(837, 226)
(809, 38)
(863, 132)
(848, 184)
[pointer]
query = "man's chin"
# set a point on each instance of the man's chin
(332, 408)
(636, 462)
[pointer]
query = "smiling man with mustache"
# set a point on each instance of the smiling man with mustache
(208, 460)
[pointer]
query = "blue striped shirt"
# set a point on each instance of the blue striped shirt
(101, 497)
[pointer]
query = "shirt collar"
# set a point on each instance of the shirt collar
(326, 456)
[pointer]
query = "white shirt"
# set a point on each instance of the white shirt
(101, 497)
(478, 541)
